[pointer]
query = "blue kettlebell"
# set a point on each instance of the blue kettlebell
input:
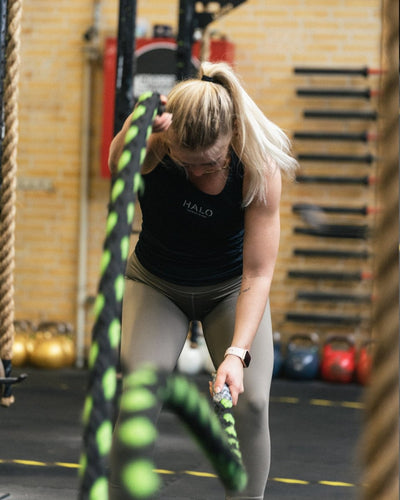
(302, 357)
(278, 358)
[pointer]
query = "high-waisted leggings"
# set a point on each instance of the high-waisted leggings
(155, 323)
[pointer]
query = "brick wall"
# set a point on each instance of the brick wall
(49, 156)
(270, 39)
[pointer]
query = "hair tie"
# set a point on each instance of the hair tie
(206, 78)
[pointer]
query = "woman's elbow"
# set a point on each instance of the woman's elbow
(112, 164)
(114, 154)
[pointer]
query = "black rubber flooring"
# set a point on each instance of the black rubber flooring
(315, 429)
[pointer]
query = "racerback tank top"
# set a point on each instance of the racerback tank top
(189, 237)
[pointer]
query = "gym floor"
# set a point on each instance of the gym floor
(315, 430)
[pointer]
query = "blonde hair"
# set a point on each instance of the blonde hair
(203, 111)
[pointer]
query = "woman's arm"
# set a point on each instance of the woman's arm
(155, 144)
(261, 243)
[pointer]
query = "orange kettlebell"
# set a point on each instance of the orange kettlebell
(364, 362)
(338, 359)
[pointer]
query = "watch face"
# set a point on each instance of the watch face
(247, 358)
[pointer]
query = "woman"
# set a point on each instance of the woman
(208, 246)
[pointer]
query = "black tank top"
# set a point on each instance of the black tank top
(189, 237)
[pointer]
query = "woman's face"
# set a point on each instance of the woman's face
(203, 161)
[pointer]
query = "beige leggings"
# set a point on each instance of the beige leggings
(155, 323)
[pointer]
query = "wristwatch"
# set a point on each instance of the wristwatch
(243, 354)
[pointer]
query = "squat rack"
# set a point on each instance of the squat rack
(193, 15)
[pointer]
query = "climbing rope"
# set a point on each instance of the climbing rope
(103, 356)
(8, 192)
(380, 439)
(213, 430)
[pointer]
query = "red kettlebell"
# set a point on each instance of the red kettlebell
(338, 359)
(364, 362)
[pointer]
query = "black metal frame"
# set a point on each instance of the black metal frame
(184, 40)
(189, 21)
(362, 71)
(340, 114)
(334, 136)
(124, 99)
(331, 253)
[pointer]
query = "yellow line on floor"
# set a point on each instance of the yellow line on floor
(289, 481)
(164, 471)
(31, 462)
(67, 465)
(355, 405)
(322, 402)
(283, 399)
(198, 474)
(336, 483)
(71, 465)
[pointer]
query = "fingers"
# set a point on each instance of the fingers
(235, 391)
(162, 122)
(230, 372)
(220, 380)
(162, 105)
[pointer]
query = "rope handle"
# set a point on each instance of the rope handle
(222, 402)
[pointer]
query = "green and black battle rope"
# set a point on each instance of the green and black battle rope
(147, 387)
(103, 357)
(134, 443)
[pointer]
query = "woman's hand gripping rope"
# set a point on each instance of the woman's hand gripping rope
(222, 402)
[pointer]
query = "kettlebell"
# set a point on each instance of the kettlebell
(190, 361)
(197, 340)
(278, 359)
(364, 362)
(19, 350)
(302, 357)
(338, 359)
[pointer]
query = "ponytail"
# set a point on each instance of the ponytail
(218, 105)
